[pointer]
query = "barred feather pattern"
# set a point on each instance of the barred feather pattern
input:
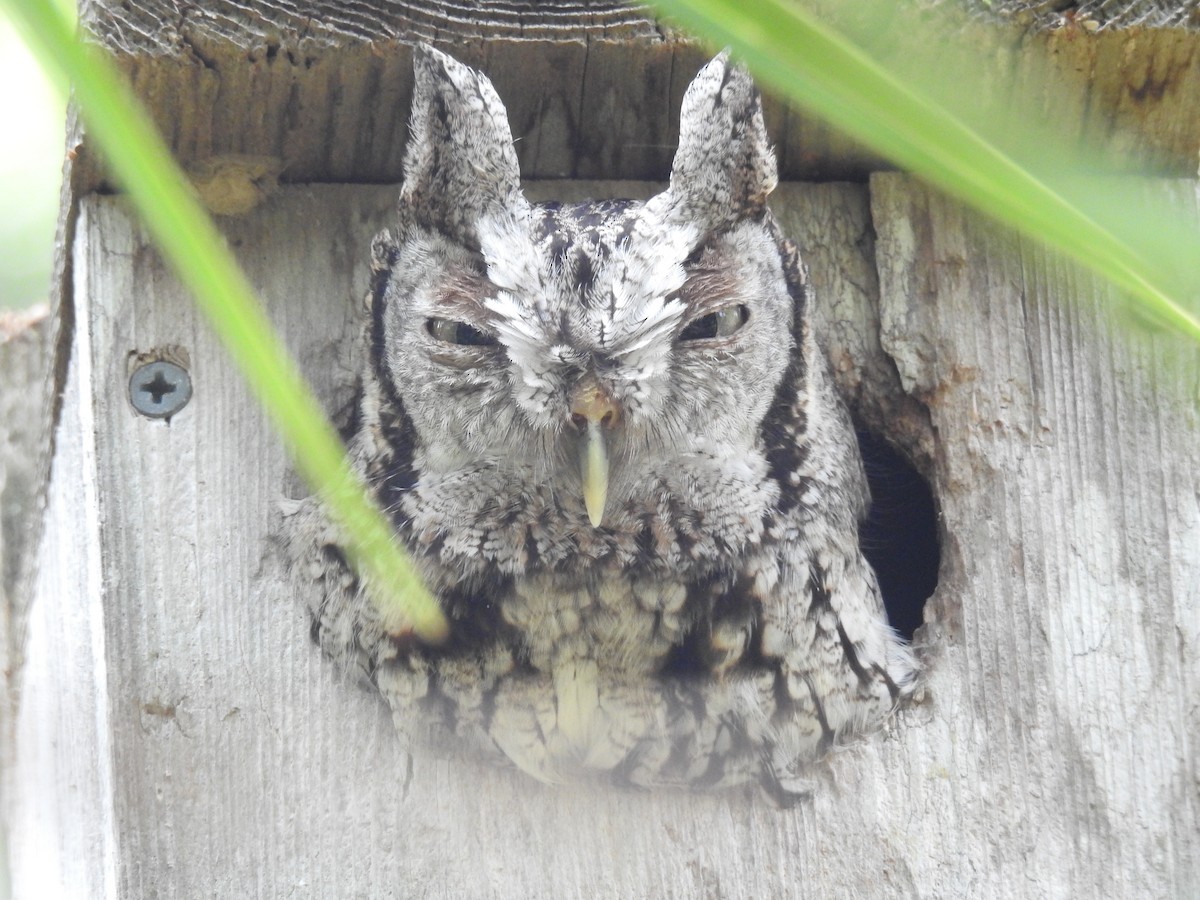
(719, 624)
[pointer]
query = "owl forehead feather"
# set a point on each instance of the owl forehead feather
(588, 275)
(605, 272)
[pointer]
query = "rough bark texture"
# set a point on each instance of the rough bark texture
(183, 730)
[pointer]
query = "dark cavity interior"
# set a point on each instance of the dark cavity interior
(900, 534)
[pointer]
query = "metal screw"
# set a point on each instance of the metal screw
(159, 389)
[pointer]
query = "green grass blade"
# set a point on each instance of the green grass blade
(810, 61)
(191, 243)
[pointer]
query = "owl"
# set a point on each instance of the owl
(607, 438)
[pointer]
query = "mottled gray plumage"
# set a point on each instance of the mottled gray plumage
(608, 440)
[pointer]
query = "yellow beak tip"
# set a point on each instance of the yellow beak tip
(594, 465)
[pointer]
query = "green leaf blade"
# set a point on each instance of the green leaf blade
(798, 53)
(195, 248)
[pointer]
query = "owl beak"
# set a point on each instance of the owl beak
(593, 460)
(594, 412)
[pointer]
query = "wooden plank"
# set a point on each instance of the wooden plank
(593, 88)
(1053, 753)
(58, 777)
(33, 369)
(23, 365)
(241, 759)
(1064, 627)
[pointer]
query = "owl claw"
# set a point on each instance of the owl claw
(593, 459)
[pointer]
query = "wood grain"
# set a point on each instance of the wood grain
(1068, 477)
(24, 360)
(23, 363)
(593, 88)
(187, 733)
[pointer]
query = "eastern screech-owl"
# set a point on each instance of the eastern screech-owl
(607, 438)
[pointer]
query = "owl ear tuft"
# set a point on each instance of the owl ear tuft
(460, 165)
(724, 167)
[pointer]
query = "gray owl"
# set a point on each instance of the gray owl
(606, 436)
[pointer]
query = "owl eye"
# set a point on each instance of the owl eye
(719, 324)
(453, 332)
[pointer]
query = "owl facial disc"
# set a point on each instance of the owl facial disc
(593, 411)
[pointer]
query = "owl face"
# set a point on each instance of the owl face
(595, 352)
(609, 442)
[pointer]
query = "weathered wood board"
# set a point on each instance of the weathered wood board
(593, 86)
(24, 360)
(181, 736)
